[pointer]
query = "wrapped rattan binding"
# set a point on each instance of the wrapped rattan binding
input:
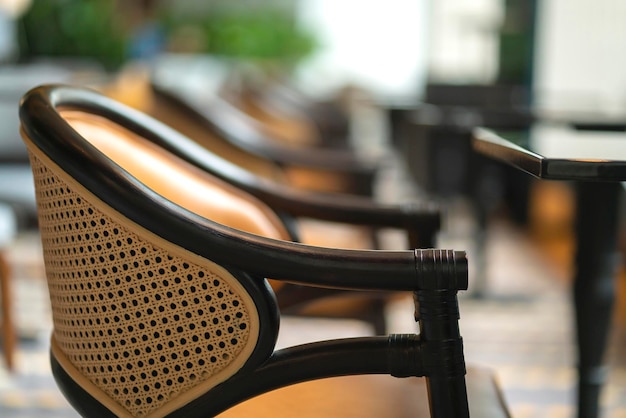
(147, 324)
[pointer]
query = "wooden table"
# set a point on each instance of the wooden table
(595, 162)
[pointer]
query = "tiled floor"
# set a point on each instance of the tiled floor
(525, 331)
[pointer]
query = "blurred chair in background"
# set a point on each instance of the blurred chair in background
(434, 138)
(288, 114)
(314, 218)
(234, 135)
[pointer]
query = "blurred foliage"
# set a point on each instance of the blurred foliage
(100, 30)
(74, 29)
(253, 34)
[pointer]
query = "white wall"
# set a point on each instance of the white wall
(381, 45)
(580, 60)
(464, 40)
(394, 45)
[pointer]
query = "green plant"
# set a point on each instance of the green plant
(72, 28)
(255, 34)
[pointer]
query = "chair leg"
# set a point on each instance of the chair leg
(438, 316)
(8, 329)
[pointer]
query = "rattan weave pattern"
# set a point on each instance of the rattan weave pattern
(141, 324)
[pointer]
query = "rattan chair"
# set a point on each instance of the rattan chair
(161, 309)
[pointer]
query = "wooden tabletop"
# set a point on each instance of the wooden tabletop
(558, 151)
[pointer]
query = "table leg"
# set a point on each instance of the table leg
(596, 266)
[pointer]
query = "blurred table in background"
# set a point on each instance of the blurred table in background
(595, 161)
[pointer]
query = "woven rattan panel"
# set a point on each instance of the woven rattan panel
(142, 325)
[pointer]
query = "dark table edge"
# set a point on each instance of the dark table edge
(489, 143)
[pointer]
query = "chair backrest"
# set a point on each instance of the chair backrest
(290, 128)
(328, 116)
(159, 307)
(134, 314)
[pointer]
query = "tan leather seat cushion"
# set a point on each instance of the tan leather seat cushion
(177, 180)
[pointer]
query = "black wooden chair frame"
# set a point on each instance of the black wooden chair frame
(434, 276)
